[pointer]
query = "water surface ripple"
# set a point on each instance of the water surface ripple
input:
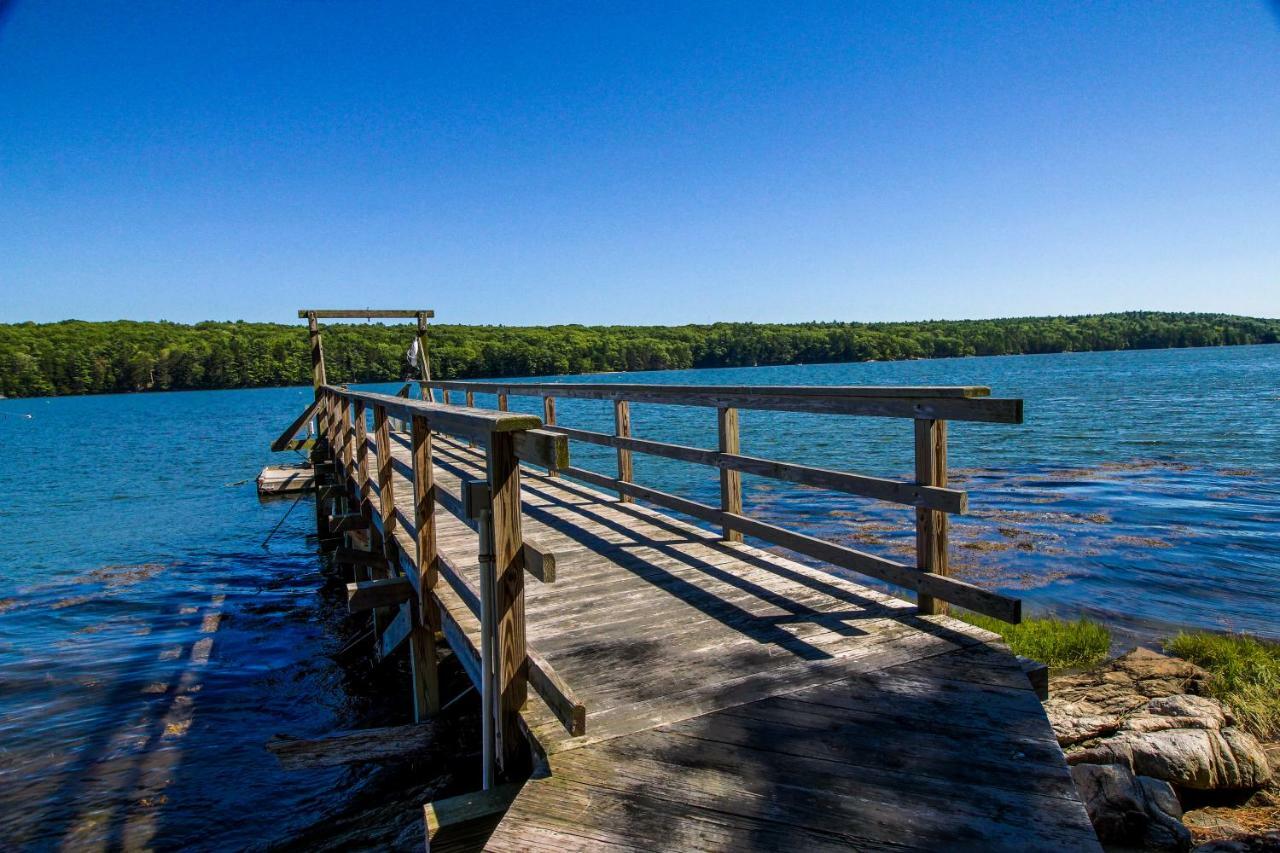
(149, 646)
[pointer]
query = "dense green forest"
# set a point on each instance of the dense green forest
(76, 357)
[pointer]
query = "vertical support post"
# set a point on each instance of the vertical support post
(424, 357)
(931, 524)
(386, 496)
(444, 393)
(730, 481)
(363, 488)
(502, 402)
(471, 404)
(335, 428)
(317, 352)
(348, 442)
(622, 429)
(426, 616)
(508, 563)
(549, 418)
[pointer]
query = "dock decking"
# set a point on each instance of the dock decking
(673, 687)
(738, 700)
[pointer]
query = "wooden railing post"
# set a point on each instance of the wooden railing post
(549, 419)
(730, 480)
(363, 487)
(335, 429)
(508, 561)
(622, 429)
(502, 402)
(471, 404)
(348, 444)
(426, 616)
(931, 525)
(386, 496)
(445, 396)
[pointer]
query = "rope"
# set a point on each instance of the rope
(282, 520)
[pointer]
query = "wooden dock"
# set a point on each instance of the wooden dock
(650, 684)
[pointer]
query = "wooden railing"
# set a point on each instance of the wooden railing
(406, 577)
(928, 407)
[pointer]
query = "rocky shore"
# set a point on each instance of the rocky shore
(1160, 764)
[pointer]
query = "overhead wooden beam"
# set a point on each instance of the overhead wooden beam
(362, 314)
(385, 592)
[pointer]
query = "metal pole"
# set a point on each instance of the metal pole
(488, 681)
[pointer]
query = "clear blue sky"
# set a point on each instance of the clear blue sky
(638, 163)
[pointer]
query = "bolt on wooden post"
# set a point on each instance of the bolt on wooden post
(931, 524)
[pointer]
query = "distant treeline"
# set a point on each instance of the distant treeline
(76, 357)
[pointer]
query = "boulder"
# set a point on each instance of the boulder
(1129, 809)
(1147, 712)
(1200, 759)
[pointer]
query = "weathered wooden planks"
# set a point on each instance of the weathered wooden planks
(285, 479)
(690, 693)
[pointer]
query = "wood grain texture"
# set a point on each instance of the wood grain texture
(931, 526)
(963, 403)
(730, 479)
(508, 553)
(386, 485)
(423, 661)
(622, 429)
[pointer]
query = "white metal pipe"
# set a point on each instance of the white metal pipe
(488, 697)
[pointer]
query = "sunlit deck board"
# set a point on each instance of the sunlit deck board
(740, 700)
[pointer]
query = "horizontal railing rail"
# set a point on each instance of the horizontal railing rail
(929, 494)
(958, 403)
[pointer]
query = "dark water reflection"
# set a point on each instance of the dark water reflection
(149, 646)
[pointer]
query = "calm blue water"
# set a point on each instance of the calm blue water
(149, 645)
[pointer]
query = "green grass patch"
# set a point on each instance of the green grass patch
(1057, 642)
(1246, 675)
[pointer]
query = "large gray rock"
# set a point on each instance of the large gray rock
(1144, 712)
(1129, 809)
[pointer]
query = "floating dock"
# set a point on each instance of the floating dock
(651, 684)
